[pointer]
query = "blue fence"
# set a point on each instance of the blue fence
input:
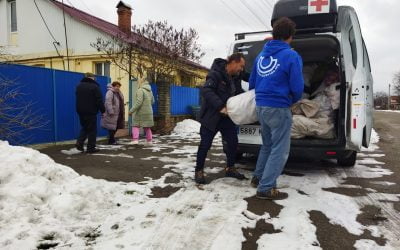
(182, 98)
(52, 94)
(155, 94)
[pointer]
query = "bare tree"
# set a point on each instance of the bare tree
(156, 48)
(396, 83)
(381, 100)
(17, 115)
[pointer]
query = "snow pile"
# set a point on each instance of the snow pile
(187, 128)
(41, 199)
(392, 111)
(374, 137)
(372, 143)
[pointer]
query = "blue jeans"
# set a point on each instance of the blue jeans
(275, 130)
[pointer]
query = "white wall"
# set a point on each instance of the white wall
(3, 23)
(33, 36)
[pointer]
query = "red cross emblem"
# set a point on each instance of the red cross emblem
(318, 4)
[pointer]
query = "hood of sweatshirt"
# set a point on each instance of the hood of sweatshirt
(273, 47)
(219, 65)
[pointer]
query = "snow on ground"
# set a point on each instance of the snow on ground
(393, 111)
(42, 202)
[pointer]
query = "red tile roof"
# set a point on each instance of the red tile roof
(107, 27)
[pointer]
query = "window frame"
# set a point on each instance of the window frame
(104, 70)
(13, 23)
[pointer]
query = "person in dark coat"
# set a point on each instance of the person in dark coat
(89, 101)
(219, 87)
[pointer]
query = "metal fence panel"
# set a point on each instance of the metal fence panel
(182, 98)
(52, 94)
(155, 94)
(67, 120)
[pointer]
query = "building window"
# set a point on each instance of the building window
(186, 79)
(102, 68)
(13, 16)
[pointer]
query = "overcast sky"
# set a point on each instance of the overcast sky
(218, 20)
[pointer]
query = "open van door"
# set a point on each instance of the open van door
(352, 63)
(369, 99)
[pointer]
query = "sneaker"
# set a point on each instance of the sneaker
(272, 194)
(79, 147)
(148, 143)
(199, 177)
(232, 172)
(254, 182)
(92, 150)
(135, 142)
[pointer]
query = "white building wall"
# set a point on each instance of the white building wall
(34, 38)
(3, 23)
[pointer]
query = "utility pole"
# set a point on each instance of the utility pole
(389, 98)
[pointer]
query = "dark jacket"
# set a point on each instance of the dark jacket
(89, 100)
(219, 87)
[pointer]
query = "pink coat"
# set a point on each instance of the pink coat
(113, 108)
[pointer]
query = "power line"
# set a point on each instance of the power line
(70, 4)
(235, 14)
(55, 42)
(269, 3)
(255, 14)
(265, 5)
(262, 5)
(83, 2)
(65, 32)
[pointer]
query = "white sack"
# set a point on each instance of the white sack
(242, 108)
(333, 93)
(305, 107)
(316, 127)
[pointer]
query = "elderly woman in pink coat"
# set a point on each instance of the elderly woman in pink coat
(114, 117)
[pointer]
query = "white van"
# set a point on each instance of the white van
(325, 34)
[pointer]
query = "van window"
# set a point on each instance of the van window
(352, 39)
(250, 50)
(367, 64)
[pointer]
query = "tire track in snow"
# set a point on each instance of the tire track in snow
(391, 227)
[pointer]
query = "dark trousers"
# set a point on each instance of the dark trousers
(229, 135)
(111, 136)
(88, 130)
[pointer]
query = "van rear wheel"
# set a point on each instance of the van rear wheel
(347, 159)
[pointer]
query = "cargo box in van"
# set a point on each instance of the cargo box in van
(326, 35)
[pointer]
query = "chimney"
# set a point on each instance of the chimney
(124, 17)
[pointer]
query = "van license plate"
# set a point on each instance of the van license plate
(249, 130)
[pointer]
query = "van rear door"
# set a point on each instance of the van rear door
(353, 61)
(369, 98)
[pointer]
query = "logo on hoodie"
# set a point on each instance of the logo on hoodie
(266, 70)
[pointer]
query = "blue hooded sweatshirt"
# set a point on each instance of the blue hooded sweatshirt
(277, 76)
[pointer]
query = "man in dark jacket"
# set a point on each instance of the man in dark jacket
(89, 102)
(219, 87)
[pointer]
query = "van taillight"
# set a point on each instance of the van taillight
(354, 123)
(330, 153)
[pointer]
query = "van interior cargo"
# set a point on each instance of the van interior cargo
(320, 53)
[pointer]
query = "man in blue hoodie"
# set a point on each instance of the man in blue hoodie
(278, 82)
